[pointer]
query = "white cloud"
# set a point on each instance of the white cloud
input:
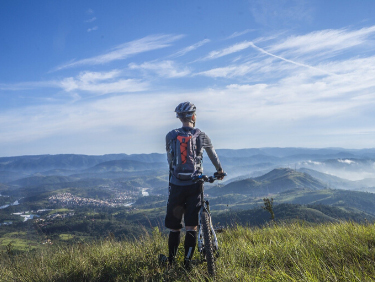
(107, 121)
(246, 87)
(125, 50)
(346, 161)
(276, 98)
(191, 48)
(289, 61)
(300, 48)
(97, 76)
(91, 20)
(164, 68)
(239, 33)
(86, 81)
(96, 82)
(325, 40)
(230, 71)
(92, 29)
(293, 112)
(229, 50)
(303, 47)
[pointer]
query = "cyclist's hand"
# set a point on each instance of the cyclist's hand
(219, 174)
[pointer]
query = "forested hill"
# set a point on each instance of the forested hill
(276, 181)
(69, 161)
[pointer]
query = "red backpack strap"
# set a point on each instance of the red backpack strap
(183, 147)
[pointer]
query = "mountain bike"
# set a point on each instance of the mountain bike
(208, 245)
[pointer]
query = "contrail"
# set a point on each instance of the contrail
(289, 61)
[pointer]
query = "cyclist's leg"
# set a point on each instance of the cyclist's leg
(173, 243)
(191, 222)
(173, 218)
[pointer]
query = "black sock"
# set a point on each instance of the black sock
(190, 243)
(173, 242)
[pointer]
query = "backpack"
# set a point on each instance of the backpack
(186, 152)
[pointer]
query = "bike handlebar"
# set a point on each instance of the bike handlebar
(206, 178)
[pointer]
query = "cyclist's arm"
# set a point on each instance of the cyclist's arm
(211, 153)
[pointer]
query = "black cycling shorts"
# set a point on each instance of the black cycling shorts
(183, 201)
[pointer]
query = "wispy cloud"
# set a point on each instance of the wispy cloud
(102, 83)
(114, 116)
(269, 85)
(191, 48)
(239, 33)
(167, 69)
(231, 71)
(126, 50)
(98, 83)
(92, 29)
(229, 50)
(296, 104)
(300, 49)
(91, 20)
(324, 40)
(290, 61)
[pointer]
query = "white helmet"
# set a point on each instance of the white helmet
(185, 110)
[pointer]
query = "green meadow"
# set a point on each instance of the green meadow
(278, 252)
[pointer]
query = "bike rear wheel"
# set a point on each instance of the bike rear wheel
(208, 246)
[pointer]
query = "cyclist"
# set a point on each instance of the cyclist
(184, 194)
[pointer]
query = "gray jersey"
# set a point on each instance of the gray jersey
(205, 144)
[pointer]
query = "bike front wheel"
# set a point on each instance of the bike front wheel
(208, 246)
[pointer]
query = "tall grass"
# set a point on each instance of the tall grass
(289, 252)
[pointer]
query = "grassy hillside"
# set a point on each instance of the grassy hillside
(289, 212)
(293, 252)
(349, 200)
(276, 181)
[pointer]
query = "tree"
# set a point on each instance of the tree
(268, 206)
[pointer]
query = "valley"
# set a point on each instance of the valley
(65, 199)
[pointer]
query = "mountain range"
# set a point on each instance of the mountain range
(110, 191)
(252, 173)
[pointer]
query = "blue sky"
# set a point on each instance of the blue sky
(97, 77)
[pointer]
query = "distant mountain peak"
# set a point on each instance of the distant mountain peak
(280, 172)
(275, 181)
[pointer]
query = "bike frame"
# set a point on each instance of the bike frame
(205, 206)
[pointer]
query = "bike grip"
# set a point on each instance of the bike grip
(217, 174)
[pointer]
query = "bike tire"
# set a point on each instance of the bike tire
(209, 252)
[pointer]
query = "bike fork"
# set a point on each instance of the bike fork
(200, 234)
